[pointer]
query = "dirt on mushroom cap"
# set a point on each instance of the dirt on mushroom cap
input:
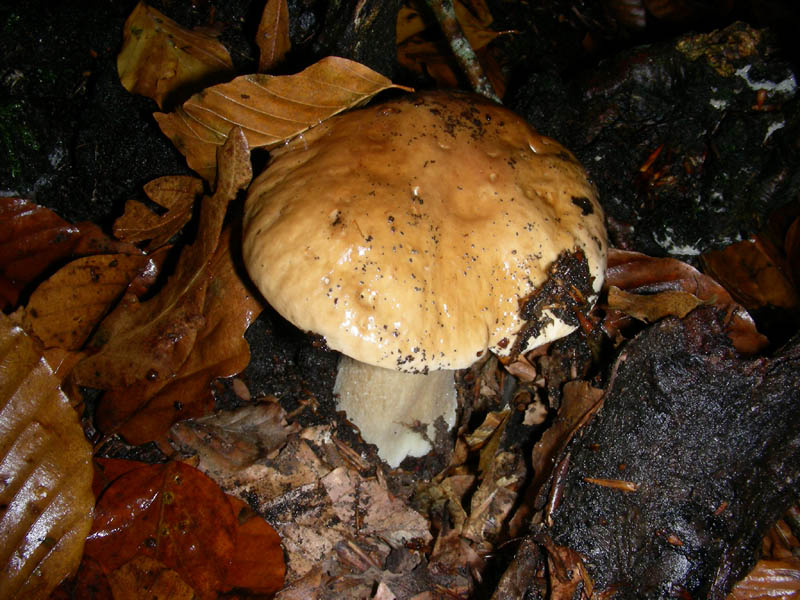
(409, 233)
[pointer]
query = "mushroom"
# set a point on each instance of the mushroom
(414, 236)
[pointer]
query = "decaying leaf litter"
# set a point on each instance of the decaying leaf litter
(464, 539)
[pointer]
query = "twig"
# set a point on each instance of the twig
(462, 49)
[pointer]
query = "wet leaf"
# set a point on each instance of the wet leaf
(170, 512)
(638, 273)
(272, 36)
(139, 223)
(173, 514)
(159, 57)
(269, 109)
(64, 310)
(46, 496)
(34, 240)
(146, 410)
(146, 577)
(753, 272)
(769, 579)
(148, 342)
(257, 561)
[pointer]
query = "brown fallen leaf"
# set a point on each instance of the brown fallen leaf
(753, 272)
(64, 310)
(145, 411)
(652, 307)
(159, 57)
(46, 496)
(34, 239)
(139, 223)
(637, 273)
(272, 37)
(269, 109)
(146, 577)
(178, 516)
(148, 342)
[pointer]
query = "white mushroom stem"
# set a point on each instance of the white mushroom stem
(395, 411)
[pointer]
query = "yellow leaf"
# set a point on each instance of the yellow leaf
(159, 56)
(46, 496)
(269, 109)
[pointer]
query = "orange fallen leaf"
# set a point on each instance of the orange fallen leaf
(34, 239)
(269, 109)
(272, 36)
(46, 495)
(65, 308)
(175, 193)
(159, 57)
(173, 515)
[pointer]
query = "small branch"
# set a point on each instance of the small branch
(462, 49)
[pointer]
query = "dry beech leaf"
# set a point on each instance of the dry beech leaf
(638, 273)
(64, 309)
(177, 194)
(178, 516)
(652, 307)
(146, 410)
(269, 109)
(46, 497)
(148, 342)
(159, 57)
(272, 36)
(34, 239)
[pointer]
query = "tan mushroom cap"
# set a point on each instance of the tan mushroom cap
(410, 233)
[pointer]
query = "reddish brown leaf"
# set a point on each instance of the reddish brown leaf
(34, 239)
(272, 36)
(257, 562)
(146, 577)
(159, 56)
(145, 411)
(170, 512)
(753, 272)
(641, 274)
(147, 343)
(269, 109)
(180, 523)
(175, 193)
(65, 308)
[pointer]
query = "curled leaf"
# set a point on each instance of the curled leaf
(159, 56)
(176, 194)
(269, 109)
(46, 498)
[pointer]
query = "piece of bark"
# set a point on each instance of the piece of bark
(694, 455)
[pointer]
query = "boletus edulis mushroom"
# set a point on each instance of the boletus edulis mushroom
(416, 235)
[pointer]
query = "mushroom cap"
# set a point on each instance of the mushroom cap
(412, 234)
